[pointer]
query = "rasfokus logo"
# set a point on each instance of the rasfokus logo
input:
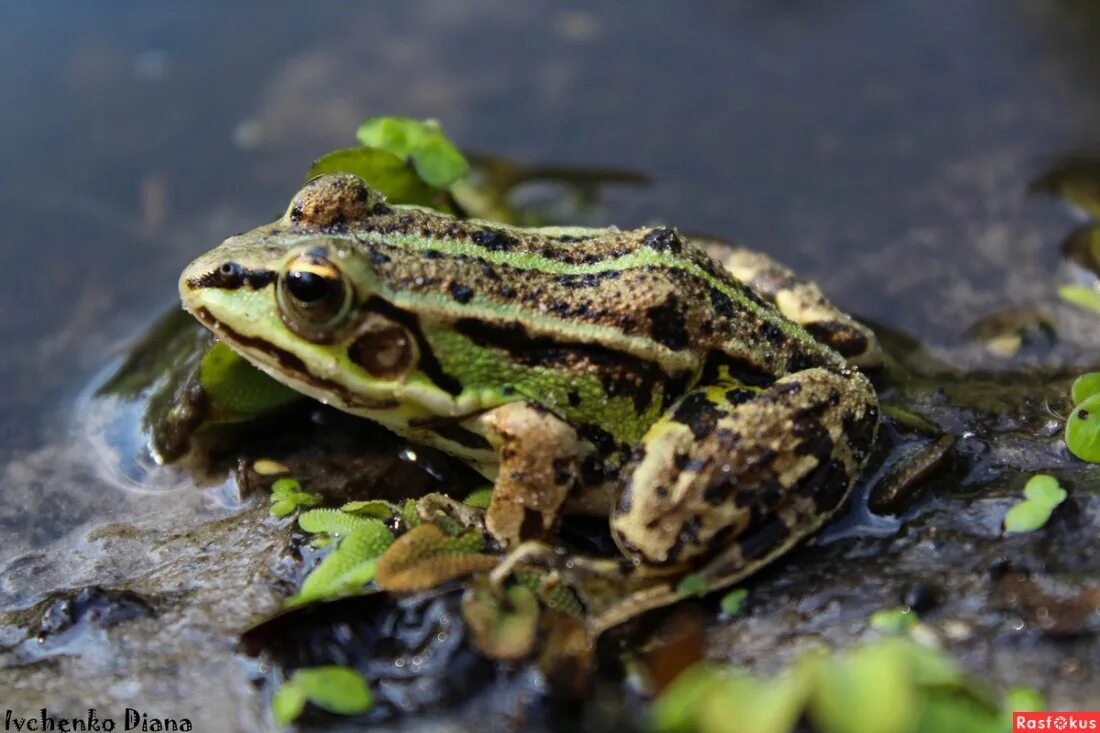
(1056, 720)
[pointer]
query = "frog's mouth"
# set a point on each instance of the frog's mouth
(283, 366)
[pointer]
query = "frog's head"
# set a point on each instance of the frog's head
(298, 298)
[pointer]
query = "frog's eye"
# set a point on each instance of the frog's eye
(312, 295)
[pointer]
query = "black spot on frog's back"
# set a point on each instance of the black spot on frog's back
(460, 292)
(494, 240)
(699, 414)
(664, 240)
(668, 325)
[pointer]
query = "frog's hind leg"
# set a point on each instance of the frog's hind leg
(801, 301)
(732, 477)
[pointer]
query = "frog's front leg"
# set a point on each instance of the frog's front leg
(733, 476)
(539, 467)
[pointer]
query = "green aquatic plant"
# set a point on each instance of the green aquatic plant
(479, 499)
(1041, 495)
(692, 585)
(336, 689)
(891, 686)
(410, 161)
(733, 603)
(1080, 296)
(1083, 424)
(422, 142)
(287, 495)
(352, 564)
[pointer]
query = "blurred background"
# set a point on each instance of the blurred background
(882, 147)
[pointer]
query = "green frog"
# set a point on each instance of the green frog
(713, 409)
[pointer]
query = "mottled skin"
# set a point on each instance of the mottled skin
(570, 365)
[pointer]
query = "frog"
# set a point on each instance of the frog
(714, 407)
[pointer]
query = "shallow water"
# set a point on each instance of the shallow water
(883, 148)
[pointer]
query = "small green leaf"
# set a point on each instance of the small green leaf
(285, 487)
(1081, 296)
(287, 495)
(692, 585)
(479, 499)
(334, 521)
(283, 508)
(1027, 516)
(399, 136)
(468, 542)
(410, 514)
(893, 620)
(384, 171)
(237, 389)
(348, 568)
(437, 161)
(1083, 430)
(1045, 490)
(734, 602)
(336, 689)
(1042, 494)
(288, 703)
(1085, 386)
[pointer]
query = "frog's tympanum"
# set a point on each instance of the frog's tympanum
(714, 411)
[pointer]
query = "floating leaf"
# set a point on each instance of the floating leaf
(336, 689)
(287, 495)
(733, 603)
(1081, 296)
(237, 389)
(692, 585)
(1083, 430)
(384, 171)
(439, 163)
(1042, 494)
(1045, 489)
(348, 568)
(1085, 386)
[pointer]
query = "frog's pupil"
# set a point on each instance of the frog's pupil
(307, 287)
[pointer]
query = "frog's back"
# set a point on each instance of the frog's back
(646, 293)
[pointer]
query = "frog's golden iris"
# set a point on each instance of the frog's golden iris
(313, 296)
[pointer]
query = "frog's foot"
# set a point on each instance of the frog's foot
(801, 301)
(594, 588)
(539, 467)
(730, 479)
